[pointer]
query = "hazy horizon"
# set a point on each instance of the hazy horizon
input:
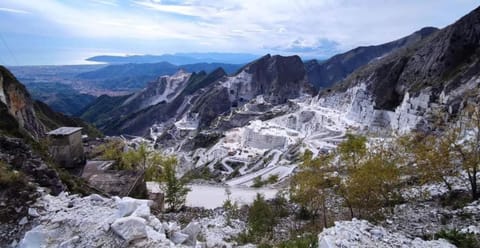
(52, 32)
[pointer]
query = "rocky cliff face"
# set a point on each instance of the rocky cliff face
(19, 104)
(325, 74)
(275, 78)
(400, 90)
(126, 114)
(201, 98)
(163, 90)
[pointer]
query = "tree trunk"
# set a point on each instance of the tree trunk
(324, 214)
(473, 183)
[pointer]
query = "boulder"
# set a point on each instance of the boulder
(142, 211)
(130, 228)
(154, 235)
(156, 224)
(127, 205)
(192, 230)
(71, 243)
(34, 238)
(178, 237)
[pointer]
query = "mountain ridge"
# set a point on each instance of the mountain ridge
(336, 68)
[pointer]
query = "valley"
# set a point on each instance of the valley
(377, 146)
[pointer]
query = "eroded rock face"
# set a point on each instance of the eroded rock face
(17, 99)
(325, 74)
(358, 105)
(401, 90)
(163, 90)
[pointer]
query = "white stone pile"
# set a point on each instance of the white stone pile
(360, 233)
(94, 221)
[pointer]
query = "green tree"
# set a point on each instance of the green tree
(230, 207)
(148, 160)
(466, 146)
(175, 188)
(312, 184)
(258, 182)
(112, 150)
(261, 218)
(432, 156)
(353, 149)
(373, 185)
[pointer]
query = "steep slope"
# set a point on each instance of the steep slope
(21, 115)
(16, 99)
(139, 122)
(24, 161)
(400, 90)
(325, 74)
(275, 78)
(167, 92)
(162, 90)
(102, 109)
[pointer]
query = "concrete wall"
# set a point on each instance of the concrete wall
(263, 141)
(67, 150)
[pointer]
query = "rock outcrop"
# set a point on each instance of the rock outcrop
(402, 88)
(19, 104)
(360, 233)
(136, 113)
(203, 97)
(21, 116)
(326, 73)
(16, 153)
(162, 90)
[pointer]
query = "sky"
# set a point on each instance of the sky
(47, 32)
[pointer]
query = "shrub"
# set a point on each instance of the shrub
(9, 178)
(261, 218)
(257, 182)
(272, 179)
(459, 239)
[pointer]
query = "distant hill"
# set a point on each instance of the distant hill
(136, 76)
(178, 58)
(323, 74)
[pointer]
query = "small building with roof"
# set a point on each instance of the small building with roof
(66, 146)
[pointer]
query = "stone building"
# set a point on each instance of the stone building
(66, 147)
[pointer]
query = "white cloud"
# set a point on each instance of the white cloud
(303, 26)
(16, 11)
(206, 12)
(106, 2)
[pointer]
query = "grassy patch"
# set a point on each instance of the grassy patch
(10, 178)
(459, 239)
